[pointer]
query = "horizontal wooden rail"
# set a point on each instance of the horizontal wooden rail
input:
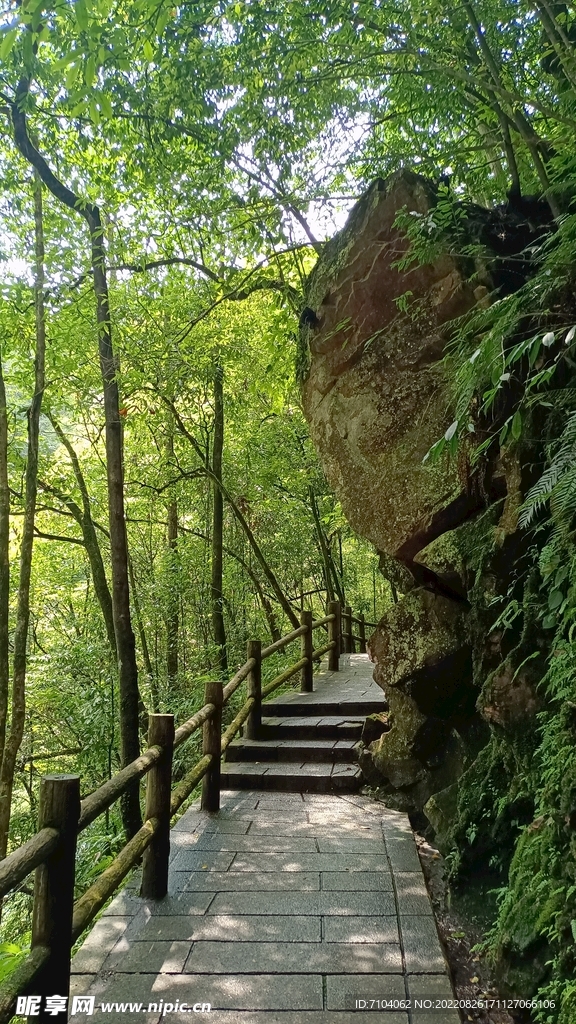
(92, 901)
(283, 677)
(236, 724)
(283, 642)
(237, 679)
(185, 731)
(324, 621)
(317, 655)
(93, 805)
(18, 865)
(189, 783)
(42, 851)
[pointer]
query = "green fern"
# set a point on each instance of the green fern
(557, 484)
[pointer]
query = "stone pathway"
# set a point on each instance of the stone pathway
(283, 909)
(308, 740)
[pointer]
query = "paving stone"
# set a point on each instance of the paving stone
(229, 928)
(422, 948)
(250, 843)
(243, 991)
(188, 822)
(280, 800)
(411, 883)
(269, 815)
(343, 991)
(185, 903)
(80, 984)
(248, 881)
(98, 945)
(361, 929)
(324, 903)
(116, 988)
(356, 881)
(432, 988)
(360, 844)
(155, 957)
(413, 904)
(310, 862)
(301, 1017)
(402, 853)
(227, 826)
(202, 860)
(292, 958)
(306, 828)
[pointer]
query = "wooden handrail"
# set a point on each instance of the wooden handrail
(282, 642)
(18, 865)
(39, 849)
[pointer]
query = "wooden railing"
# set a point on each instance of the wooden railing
(58, 921)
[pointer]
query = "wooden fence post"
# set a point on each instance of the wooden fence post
(59, 807)
(211, 745)
(362, 633)
(347, 630)
(307, 648)
(254, 689)
(158, 786)
(334, 628)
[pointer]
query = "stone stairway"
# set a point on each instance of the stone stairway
(308, 740)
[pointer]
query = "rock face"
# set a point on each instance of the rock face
(376, 394)
(422, 656)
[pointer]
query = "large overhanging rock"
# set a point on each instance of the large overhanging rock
(375, 392)
(422, 657)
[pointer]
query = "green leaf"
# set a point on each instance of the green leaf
(549, 621)
(105, 105)
(517, 425)
(561, 575)
(534, 351)
(451, 430)
(555, 599)
(72, 76)
(82, 15)
(27, 49)
(148, 50)
(90, 71)
(8, 42)
(94, 111)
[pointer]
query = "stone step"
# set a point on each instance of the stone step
(303, 705)
(327, 750)
(290, 777)
(308, 728)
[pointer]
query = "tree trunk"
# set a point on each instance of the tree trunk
(218, 523)
(173, 602)
(18, 704)
(4, 566)
(125, 643)
(84, 519)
